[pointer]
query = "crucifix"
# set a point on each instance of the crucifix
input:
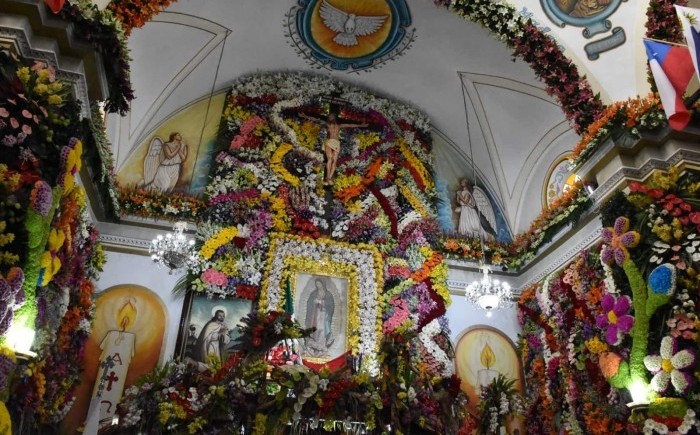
(106, 365)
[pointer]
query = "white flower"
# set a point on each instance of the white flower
(668, 365)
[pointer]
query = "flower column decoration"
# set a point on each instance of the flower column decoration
(617, 240)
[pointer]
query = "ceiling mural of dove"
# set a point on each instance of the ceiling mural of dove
(352, 35)
(348, 25)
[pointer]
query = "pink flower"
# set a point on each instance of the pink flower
(617, 240)
(615, 319)
(14, 123)
(250, 124)
(26, 129)
(214, 277)
(4, 113)
(237, 142)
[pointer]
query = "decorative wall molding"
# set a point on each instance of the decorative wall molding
(20, 41)
(17, 32)
(642, 172)
(555, 262)
(111, 240)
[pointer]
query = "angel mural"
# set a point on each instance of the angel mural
(476, 215)
(163, 163)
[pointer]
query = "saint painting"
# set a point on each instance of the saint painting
(210, 328)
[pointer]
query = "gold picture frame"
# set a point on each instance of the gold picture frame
(353, 276)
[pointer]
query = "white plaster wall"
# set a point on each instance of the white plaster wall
(463, 315)
(122, 268)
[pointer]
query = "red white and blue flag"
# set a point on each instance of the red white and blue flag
(691, 29)
(672, 68)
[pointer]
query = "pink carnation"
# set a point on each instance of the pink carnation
(237, 142)
(251, 124)
(214, 277)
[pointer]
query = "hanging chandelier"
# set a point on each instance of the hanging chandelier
(174, 250)
(489, 294)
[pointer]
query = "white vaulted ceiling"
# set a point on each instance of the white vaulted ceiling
(515, 129)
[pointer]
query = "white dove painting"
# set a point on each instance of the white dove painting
(347, 25)
(351, 35)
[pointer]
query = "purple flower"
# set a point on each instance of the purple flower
(41, 198)
(9, 140)
(615, 319)
(617, 240)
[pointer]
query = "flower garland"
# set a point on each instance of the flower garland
(630, 117)
(145, 203)
(136, 13)
(564, 210)
(57, 252)
(562, 350)
(270, 397)
(102, 160)
(269, 218)
(104, 32)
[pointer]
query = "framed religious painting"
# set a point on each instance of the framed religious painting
(333, 287)
(209, 327)
(320, 302)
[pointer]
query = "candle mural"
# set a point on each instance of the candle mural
(126, 341)
(481, 354)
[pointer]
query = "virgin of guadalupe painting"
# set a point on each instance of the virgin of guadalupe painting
(321, 303)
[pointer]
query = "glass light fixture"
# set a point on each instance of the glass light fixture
(174, 251)
(488, 294)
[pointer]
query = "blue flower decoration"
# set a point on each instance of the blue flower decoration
(662, 279)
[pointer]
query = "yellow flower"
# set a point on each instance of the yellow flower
(219, 239)
(355, 206)
(179, 411)
(384, 169)
(663, 231)
(5, 420)
(55, 99)
(23, 74)
(280, 221)
(41, 89)
(50, 263)
(278, 167)
(595, 346)
(43, 75)
(366, 139)
(665, 180)
(164, 412)
(438, 277)
(196, 426)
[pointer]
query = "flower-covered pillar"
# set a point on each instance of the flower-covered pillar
(49, 252)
